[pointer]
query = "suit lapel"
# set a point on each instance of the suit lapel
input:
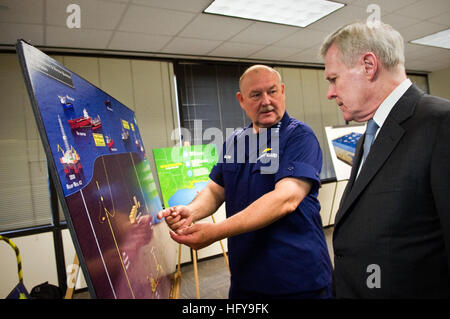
(389, 136)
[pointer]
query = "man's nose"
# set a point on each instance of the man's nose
(265, 99)
(331, 94)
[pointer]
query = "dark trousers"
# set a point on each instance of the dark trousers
(324, 293)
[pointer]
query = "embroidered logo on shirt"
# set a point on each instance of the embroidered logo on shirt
(266, 153)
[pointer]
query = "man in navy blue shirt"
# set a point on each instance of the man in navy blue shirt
(268, 176)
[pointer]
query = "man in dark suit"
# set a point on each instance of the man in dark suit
(392, 231)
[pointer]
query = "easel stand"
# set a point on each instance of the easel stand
(74, 275)
(194, 257)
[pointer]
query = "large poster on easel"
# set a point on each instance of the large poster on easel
(342, 144)
(103, 179)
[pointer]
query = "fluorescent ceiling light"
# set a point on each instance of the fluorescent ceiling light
(298, 13)
(440, 39)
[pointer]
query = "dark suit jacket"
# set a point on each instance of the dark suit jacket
(396, 214)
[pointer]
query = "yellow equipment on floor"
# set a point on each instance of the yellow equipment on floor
(19, 291)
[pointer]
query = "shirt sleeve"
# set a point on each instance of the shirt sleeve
(301, 157)
(216, 174)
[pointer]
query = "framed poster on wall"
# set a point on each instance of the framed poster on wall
(103, 179)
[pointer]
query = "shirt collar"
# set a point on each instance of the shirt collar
(386, 106)
(282, 123)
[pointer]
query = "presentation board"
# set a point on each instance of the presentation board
(342, 144)
(103, 179)
(183, 171)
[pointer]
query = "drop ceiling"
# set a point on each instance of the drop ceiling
(171, 28)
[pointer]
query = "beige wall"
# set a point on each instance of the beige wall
(440, 83)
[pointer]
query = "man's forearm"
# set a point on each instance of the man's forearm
(207, 201)
(267, 209)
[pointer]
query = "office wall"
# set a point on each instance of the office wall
(440, 83)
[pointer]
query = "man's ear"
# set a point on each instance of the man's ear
(240, 98)
(370, 64)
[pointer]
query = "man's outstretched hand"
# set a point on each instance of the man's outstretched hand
(180, 221)
(177, 217)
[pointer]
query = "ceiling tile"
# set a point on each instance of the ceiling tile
(236, 50)
(181, 5)
(178, 26)
(138, 42)
(423, 65)
(439, 55)
(416, 51)
(191, 46)
(426, 9)
(303, 39)
(154, 21)
(419, 30)
(310, 55)
(385, 5)
(24, 11)
(11, 32)
(95, 14)
(345, 1)
(443, 19)
(275, 53)
(344, 15)
(212, 27)
(398, 21)
(77, 38)
(264, 33)
(415, 65)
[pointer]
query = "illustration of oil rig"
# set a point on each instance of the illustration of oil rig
(103, 211)
(109, 142)
(85, 121)
(125, 135)
(159, 270)
(70, 159)
(134, 210)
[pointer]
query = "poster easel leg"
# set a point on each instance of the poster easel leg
(175, 294)
(194, 257)
(73, 276)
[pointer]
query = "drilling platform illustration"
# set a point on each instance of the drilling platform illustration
(70, 159)
(85, 121)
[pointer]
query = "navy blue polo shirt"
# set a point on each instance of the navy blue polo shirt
(290, 255)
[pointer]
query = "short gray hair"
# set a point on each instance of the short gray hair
(354, 39)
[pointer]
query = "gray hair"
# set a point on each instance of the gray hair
(257, 67)
(354, 39)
